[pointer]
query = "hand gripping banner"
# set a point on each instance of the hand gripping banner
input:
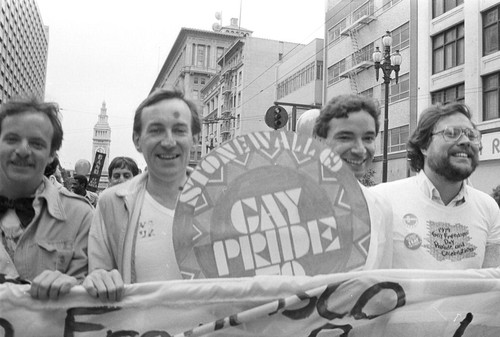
(384, 303)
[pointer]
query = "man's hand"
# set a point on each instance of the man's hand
(51, 284)
(105, 285)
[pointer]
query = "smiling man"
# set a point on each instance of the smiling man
(349, 124)
(43, 228)
(131, 236)
(440, 222)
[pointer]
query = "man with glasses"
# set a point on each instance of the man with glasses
(440, 222)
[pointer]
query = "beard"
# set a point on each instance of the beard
(443, 166)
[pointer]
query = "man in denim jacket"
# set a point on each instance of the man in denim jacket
(43, 228)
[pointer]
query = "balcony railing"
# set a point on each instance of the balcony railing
(353, 66)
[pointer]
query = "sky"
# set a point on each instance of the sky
(112, 51)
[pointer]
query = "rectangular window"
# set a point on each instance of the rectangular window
(365, 9)
(220, 51)
(448, 49)
(442, 6)
(455, 93)
(367, 92)
(397, 138)
(319, 70)
(401, 37)
(335, 71)
(200, 59)
(397, 91)
(208, 56)
(491, 35)
(388, 3)
(334, 32)
(193, 54)
(364, 54)
(491, 97)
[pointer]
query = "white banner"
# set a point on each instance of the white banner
(381, 303)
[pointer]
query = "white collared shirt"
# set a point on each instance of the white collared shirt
(426, 186)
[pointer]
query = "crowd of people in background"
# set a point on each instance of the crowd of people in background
(56, 238)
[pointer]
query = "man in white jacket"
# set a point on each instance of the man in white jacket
(440, 221)
(349, 124)
(131, 235)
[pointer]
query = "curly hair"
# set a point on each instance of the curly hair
(421, 137)
(340, 107)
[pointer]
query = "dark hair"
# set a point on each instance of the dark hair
(496, 194)
(161, 94)
(123, 162)
(32, 104)
(340, 107)
(421, 137)
(51, 168)
(81, 179)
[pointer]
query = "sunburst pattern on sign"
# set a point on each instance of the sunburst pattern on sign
(270, 203)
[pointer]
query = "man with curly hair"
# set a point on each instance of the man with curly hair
(349, 124)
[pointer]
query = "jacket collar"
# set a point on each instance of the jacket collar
(50, 193)
(131, 186)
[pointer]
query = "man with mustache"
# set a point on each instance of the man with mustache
(43, 228)
(441, 222)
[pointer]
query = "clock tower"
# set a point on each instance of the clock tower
(102, 138)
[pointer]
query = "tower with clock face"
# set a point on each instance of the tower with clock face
(102, 138)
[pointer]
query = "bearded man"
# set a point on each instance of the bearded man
(440, 221)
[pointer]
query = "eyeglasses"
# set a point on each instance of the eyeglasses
(452, 134)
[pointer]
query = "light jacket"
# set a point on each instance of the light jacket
(111, 238)
(56, 238)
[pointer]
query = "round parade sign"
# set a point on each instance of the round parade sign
(273, 202)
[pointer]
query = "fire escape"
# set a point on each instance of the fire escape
(356, 63)
(227, 108)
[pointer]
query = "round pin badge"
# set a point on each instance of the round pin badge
(273, 202)
(410, 220)
(413, 241)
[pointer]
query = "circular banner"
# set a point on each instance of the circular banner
(273, 202)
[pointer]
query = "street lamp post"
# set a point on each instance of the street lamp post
(390, 63)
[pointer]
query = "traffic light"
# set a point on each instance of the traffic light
(277, 118)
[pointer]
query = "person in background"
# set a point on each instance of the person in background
(130, 239)
(496, 194)
(79, 186)
(44, 229)
(121, 169)
(349, 124)
(53, 173)
(306, 122)
(440, 221)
